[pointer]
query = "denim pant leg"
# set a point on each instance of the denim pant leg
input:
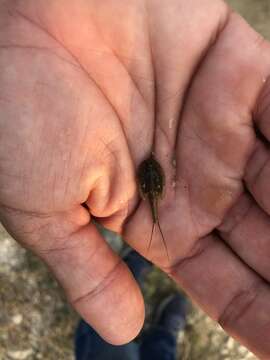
(158, 344)
(90, 346)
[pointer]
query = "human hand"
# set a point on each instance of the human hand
(83, 97)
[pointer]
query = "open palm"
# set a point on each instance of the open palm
(88, 90)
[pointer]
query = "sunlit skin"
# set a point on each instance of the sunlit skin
(88, 88)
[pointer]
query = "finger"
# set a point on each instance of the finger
(261, 115)
(257, 175)
(217, 136)
(229, 291)
(97, 283)
(246, 230)
(175, 61)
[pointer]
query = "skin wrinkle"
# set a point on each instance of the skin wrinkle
(85, 164)
(260, 111)
(30, 213)
(39, 228)
(49, 50)
(54, 181)
(261, 107)
(190, 210)
(24, 236)
(256, 177)
(60, 252)
(84, 167)
(172, 96)
(42, 154)
(130, 77)
(82, 174)
(196, 250)
(208, 145)
(54, 256)
(163, 132)
(197, 66)
(121, 213)
(135, 85)
(66, 242)
(225, 235)
(154, 75)
(235, 179)
(238, 221)
(116, 165)
(48, 251)
(131, 214)
(68, 159)
(260, 144)
(68, 179)
(257, 113)
(106, 282)
(239, 305)
(108, 100)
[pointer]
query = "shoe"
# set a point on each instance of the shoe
(137, 264)
(171, 313)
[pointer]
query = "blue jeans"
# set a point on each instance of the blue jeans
(157, 344)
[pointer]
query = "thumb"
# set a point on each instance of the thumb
(97, 282)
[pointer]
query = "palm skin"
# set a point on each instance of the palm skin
(88, 90)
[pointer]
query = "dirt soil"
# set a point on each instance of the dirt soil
(37, 323)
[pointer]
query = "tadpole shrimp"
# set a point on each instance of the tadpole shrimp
(151, 181)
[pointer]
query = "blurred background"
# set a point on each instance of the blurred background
(37, 323)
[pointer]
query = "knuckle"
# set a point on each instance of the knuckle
(239, 306)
